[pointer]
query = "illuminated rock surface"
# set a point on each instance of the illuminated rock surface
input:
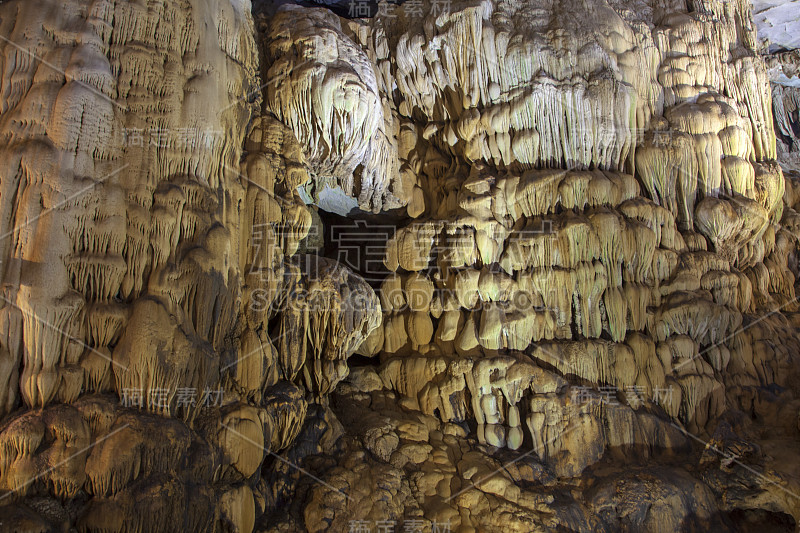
(457, 266)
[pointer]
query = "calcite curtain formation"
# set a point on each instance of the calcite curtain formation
(584, 318)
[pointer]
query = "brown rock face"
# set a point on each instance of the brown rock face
(457, 266)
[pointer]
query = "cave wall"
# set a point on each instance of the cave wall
(593, 255)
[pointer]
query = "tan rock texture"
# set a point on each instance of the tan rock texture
(582, 316)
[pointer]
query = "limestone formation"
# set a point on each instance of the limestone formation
(492, 265)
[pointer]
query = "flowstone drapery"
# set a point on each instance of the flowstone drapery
(469, 265)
